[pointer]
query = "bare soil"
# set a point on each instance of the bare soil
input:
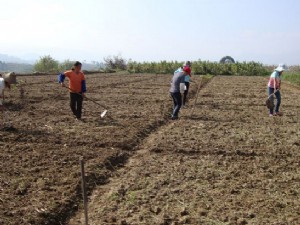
(40, 151)
(229, 164)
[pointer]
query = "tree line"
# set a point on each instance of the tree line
(118, 63)
(47, 64)
(201, 68)
(226, 66)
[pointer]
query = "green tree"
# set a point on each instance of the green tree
(66, 65)
(46, 64)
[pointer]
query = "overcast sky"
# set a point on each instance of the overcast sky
(259, 30)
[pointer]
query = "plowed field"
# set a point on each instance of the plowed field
(228, 164)
(39, 154)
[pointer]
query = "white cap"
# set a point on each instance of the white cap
(281, 68)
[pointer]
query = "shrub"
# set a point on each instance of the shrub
(46, 64)
(115, 63)
(66, 65)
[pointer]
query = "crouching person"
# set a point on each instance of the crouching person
(77, 87)
(178, 86)
(6, 80)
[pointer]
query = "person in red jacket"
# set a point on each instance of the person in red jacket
(77, 87)
(178, 87)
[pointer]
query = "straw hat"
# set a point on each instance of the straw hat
(10, 78)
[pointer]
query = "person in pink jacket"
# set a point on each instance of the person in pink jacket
(274, 86)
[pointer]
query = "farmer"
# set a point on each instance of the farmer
(274, 86)
(6, 80)
(186, 80)
(178, 87)
(77, 87)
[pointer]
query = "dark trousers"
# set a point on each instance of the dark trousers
(187, 84)
(76, 104)
(278, 97)
(177, 99)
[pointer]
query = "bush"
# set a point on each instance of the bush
(294, 69)
(115, 63)
(46, 64)
(66, 65)
(292, 77)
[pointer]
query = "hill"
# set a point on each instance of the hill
(16, 67)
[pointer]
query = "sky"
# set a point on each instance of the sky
(267, 31)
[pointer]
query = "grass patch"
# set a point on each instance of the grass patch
(292, 78)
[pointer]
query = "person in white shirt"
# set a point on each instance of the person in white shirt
(6, 80)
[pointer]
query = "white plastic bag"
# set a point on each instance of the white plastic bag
(182, 88)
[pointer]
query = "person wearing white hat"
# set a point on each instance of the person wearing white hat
(274, 86)
(6, 80)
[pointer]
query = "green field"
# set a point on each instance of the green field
(292, 78)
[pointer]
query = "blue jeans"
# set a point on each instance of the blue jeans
(177, 99)
(278, 97)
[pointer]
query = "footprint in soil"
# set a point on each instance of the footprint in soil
(297, 143)
(9, 129)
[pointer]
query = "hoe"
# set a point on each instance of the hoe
(103, 114)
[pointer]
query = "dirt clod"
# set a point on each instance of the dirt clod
(242, 222)
(203, 213)
(123, 222)
(184, 211)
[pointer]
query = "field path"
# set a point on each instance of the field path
(228, 164)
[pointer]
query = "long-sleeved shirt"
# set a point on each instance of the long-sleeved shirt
(178, 70)
(177, 79)
(77, 81)
(274, 80)
(186, 78)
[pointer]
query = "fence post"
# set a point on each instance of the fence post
(84, 193)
